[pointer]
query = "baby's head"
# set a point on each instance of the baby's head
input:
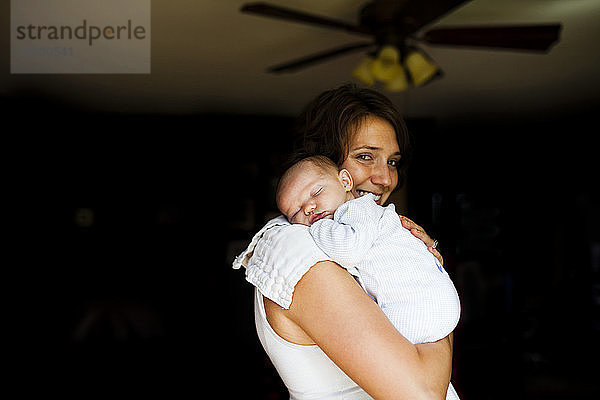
(312, 189)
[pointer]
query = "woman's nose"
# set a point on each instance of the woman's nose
(382, 176)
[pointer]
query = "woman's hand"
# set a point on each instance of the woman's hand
(418, 232)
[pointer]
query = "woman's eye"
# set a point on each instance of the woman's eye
(394, 163)
(364, 157)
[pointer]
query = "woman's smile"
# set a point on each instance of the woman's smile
(361, 193)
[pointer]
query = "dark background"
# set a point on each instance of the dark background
(140, 298)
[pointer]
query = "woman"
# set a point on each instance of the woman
(324, 334)
(320, 133)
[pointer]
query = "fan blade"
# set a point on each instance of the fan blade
(272, 11)
(411, 15)
(315, 58)
(533, 38)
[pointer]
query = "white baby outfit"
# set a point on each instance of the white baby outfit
(277, 257)
(393, 266)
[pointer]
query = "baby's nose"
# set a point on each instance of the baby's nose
(309, 208)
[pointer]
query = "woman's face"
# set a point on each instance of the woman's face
(373, 158)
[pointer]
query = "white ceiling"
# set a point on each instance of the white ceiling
(209, 57)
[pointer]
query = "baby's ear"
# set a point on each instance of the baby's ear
(346, 179)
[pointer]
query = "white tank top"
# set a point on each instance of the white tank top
(305, 369)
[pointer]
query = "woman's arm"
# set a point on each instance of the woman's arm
(352, 330)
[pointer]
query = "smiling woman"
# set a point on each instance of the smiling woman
(373, 159)
(360, 130)
(325, 335)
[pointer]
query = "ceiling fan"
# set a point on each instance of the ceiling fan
(391, 26)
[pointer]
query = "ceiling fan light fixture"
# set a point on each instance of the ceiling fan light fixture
(386, 21)
(363, 71)
(420, 67)
(398, 84)
(387, 64)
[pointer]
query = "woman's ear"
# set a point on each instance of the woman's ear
(346, 179)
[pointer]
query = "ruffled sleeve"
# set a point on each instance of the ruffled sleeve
(277, 257)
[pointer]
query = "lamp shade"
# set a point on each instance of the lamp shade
(363, 71)
(420, 68)
(387, 64)
(398, 84)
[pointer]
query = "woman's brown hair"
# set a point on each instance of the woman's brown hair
(327, 124)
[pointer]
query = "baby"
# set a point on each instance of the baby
(394, 267)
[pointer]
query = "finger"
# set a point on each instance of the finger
(410, 224)
(436, 254)
(407, 223)
(421, 234)
(416, 230)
